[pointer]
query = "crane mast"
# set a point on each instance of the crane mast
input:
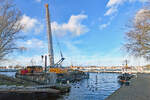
(49, 36)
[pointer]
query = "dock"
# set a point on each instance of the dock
(6, 80)
(15, 85)
(29, 90)
(138, 89)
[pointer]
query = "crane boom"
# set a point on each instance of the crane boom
(49, 36)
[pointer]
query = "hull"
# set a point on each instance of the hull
(52, 78)
(124, 78)
(39, 78)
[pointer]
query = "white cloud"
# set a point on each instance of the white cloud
(112, 58)
(144, 0)
(28, 22)
(104, 25)
(114, 2)
(38, 0)
(31, 24)
(74, 26)
(32, 44)
(39, 28)
(71, 46)
(82, 60)
(77, 57)
(26, 61)
(111, 11)
(113, 5)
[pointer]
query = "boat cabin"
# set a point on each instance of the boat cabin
(32, 69)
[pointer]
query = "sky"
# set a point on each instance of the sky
(89, 32)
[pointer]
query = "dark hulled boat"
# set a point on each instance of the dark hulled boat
(125, 77)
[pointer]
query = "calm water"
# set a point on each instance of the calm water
(12, 74)
(97, 87)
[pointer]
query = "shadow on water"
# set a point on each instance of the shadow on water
(97, 87)
(28, 96)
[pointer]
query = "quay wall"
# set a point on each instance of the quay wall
(133, 72)
(138, 89)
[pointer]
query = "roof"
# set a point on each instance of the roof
(34, 66)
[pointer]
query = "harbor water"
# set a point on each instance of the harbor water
(98, 87)
(11, 74)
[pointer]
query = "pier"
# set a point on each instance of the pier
(138, 89)
(28, 90)
(17, 85)
(133, 72)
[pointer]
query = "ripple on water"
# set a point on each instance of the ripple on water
(97, 87)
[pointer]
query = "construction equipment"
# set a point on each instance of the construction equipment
(53, 67)
(49, 36)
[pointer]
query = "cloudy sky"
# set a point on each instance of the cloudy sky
(90, 32)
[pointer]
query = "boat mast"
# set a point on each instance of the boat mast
(49, 36)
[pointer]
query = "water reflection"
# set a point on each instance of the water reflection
(11, 74)
(97, 87)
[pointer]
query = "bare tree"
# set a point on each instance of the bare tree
(9, 27)
(138, 36)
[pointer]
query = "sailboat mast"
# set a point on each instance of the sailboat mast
(49, 36)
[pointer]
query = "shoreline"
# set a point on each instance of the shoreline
(138, 89)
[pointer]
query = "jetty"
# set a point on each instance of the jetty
(138, 89)
(16, 85)
(28, 90)
(5, 80)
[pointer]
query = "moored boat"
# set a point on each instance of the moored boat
(54, 72)
(125, 77)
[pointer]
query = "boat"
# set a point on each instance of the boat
(53, 73)
(30, 70)
(125, 77)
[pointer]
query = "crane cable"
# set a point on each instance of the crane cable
(58, 44)
(57, 41)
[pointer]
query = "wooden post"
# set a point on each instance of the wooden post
(45, 64)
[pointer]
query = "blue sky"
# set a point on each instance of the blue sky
(90, 32)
